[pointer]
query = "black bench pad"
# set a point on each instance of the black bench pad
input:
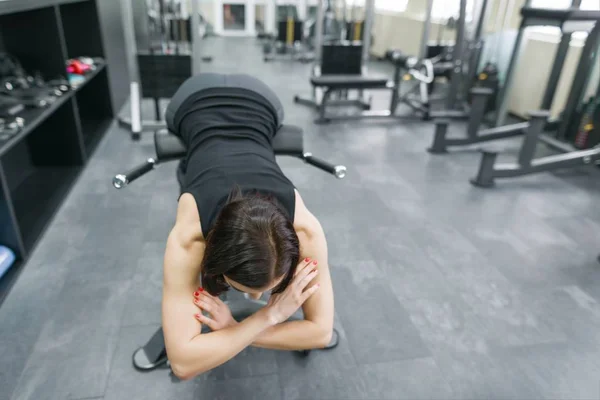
(288, 141)
(349, 81)
(168, 146)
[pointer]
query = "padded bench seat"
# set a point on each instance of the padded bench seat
(287, 142)
(349, 81)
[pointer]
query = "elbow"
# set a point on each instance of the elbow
(325, 337)
(183, 372)
(183, 369)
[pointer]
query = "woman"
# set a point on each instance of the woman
(240, 224)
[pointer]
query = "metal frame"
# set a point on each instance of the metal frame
(426, 30)
(585, 67)
(533, 130)
(567, 29)
(317, 95)
(134, 122)
(452, 101)
(488, 170)
(480, 96)
(474, 135)
(394, 86)
(557, 65)
(476, 44)
(465, 61)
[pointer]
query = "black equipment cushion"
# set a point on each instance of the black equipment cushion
(349, 81)
(566, 14)
(341, 58)
(162, 74)
(168, 146)
(288, 141)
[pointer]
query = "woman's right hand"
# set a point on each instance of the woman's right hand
(281, 306)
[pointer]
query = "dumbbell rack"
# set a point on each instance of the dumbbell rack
(40, 163)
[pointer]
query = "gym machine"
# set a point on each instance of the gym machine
(458, 63)
(157, 73)
(403, 66)
(341, 63)
(422, 70)
(481, 98)
(289, 141)
(569, 20)
(290, 42)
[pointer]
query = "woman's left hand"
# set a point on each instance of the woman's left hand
(219, 314)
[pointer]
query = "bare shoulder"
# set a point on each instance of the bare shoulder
(306, 224)
(185, 245)
(188, 227)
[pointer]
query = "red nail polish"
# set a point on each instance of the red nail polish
(315, 262)
(201, 289)
(196, 294)
(197, 315)
(306, 259)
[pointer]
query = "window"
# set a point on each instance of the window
(444, 9)
(585, 4)
(391, 5)
(387, 5)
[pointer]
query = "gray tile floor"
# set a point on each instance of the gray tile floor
(442, 290)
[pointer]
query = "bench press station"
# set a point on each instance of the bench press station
(340, 67)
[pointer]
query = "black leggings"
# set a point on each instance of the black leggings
(205, 81)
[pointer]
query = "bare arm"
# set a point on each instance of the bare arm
(316, 329)
(190, 352)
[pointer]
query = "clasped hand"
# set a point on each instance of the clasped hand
(280, 307)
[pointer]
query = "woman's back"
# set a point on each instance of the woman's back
(229, 135)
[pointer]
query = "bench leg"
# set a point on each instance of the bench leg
(323, 107)
(485, 175)
(439, 139)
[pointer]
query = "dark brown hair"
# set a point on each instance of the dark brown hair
(253, 242)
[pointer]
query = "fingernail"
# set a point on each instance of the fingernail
(306, 259)
(202, 289)
(196, 294)
(197, 315)
(318, 285)
(315, 262)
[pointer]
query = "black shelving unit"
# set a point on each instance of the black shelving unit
(39, 165)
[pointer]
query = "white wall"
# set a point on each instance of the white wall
(207, 9)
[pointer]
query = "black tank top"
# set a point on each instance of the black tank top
(229, 133)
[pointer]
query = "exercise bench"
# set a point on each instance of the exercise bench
(405, 67)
